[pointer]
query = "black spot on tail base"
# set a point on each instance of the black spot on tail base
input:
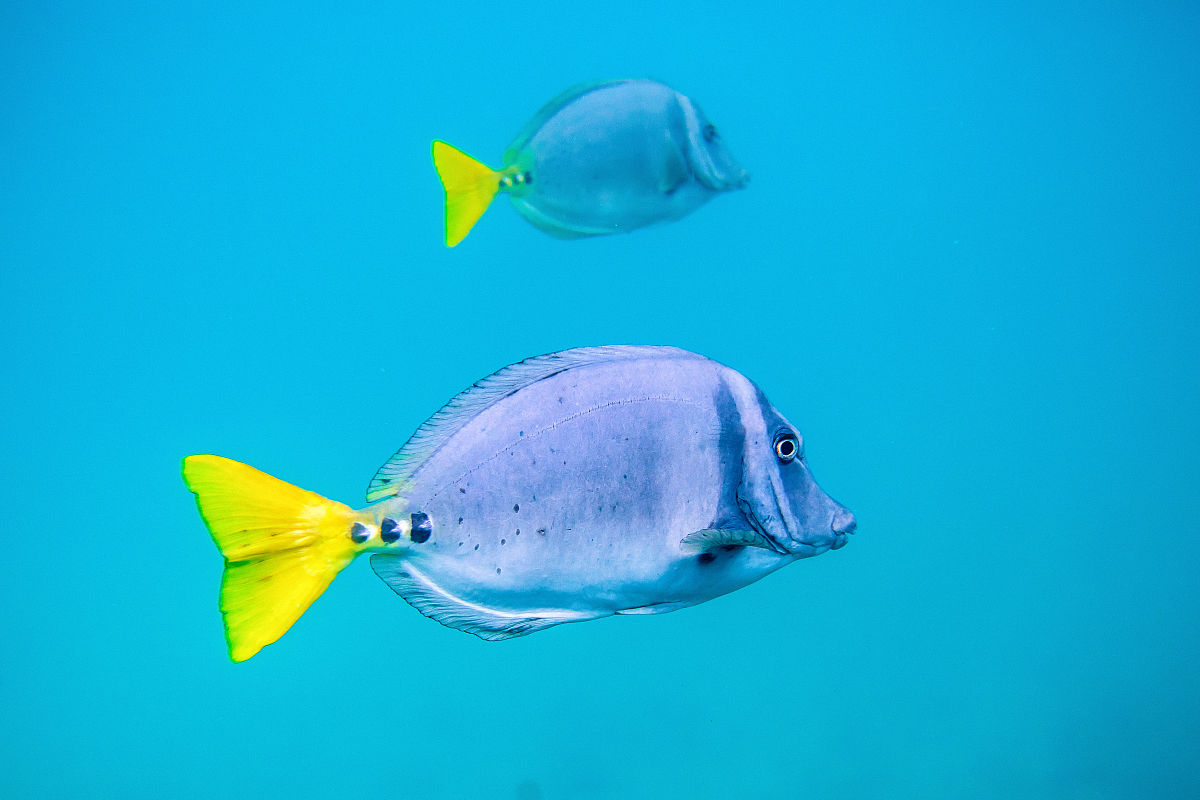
(422, 528)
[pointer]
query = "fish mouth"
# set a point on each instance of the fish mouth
(834, 539)
(717, 180)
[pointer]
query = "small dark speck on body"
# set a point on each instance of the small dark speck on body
(460, 544)
(541, 531)
(476, 547)
(516, 508)
(503, 541)
(518, 532)
(461, 490)
(460, 520)
(497, 570)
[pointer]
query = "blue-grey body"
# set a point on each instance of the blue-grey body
(612, 157)
(598, 481)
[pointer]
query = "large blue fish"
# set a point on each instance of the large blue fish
(603, 158)
(568, 487)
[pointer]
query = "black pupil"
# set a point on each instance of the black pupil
(787, 448)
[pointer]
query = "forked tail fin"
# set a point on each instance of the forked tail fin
(470, 187)
(282, 546)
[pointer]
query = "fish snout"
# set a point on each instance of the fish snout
(843, 525)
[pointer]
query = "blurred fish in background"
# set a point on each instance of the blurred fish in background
(600, 158)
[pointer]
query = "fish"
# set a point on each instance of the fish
(582, 484)
(600, 158)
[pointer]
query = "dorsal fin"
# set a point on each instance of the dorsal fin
(552, 107)
(392, 476)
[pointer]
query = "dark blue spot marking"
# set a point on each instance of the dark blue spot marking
(476, 547)
(503, 541)
(359, 532)
(497, 570)
(516, 508)
(387, 530)
(422, 528)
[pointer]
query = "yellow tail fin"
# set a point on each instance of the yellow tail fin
(470, 187)
(282, 546)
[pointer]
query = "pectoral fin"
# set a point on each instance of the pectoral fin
(710, 539)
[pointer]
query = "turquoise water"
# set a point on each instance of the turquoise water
(967, 267)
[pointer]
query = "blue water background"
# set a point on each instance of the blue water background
(967, 267)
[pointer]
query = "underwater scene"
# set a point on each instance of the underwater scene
(725, 402)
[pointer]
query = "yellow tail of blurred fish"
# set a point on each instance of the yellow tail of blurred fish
(283, 545)
(470, 187)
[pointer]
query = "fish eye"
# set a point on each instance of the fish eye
(710, 132)
(787, 447)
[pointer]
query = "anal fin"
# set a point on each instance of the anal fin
(436, 603)
(655, 608)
